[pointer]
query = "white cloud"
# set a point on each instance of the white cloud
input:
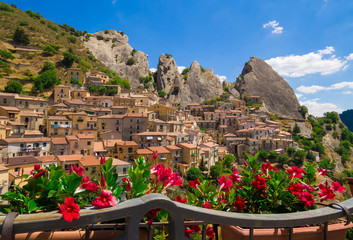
(347, 92)
(276, 29)
(322, 62)
(221, 78)
(316, 88)
(114, 1)
(153, 70)
(298, 95)
(310, 89)
(318, 109)
(180, 69)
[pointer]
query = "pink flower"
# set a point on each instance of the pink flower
(78, 170)
(225, 184)
(70, 210)
(85, 179)
(90, 186)
(179, 199)
(210, 233)
(235, 177)
(155, 155)
(296, 189)
(105, 200)
(193, 184)
(103, 183)
(322, 172)
(307, 199)
(266, 166)
(326, 192)
(206, 205)
(239, 204)
(295, 172)
(102, 160)
(259, 183)
(337, 187)
(174, 180)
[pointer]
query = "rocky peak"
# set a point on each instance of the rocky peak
(167, 73)
(117, 54)
(259, 79)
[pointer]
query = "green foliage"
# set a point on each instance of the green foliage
(99, 37)
(123, 82)
(162, 94)
(23, 23)
(51, 49)
(71, 39)
(33, 15)
(332, 116)
(5, 7)
(327, 164)
(228, 161)
(52, 27)
(13, 87)
(13, 5)
(346, 135)
(45, 80)
(69, 59)
(303, 110)
(72, 30)
(168, 55)
(102, 90)
(225, 88)
(130, 61)
(193, 173)
(263, 154)
(185, 71)
(296, 129)
(133, 51)
(75, 81)
(283, 159)
(20, 37)
(202, 165)
(5, 55)
(48, 66)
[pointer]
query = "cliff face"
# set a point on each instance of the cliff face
(117, 54)
(197, 85)
(259, 79)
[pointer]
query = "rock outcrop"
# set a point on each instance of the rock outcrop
(259, 79)
(197, 85)
(115, 54)
(231, 89)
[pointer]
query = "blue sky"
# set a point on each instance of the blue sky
(309, 42)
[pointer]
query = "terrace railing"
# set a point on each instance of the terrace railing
(134, 210)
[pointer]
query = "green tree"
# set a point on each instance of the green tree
(13, 87)
(202, 165)
(69, 59)
(296, 129)
(162, 94)
(193, 173)
(228, 161)
(215, 172)
(263, 154)
(283, 159)
(45, 80)
(102, 90)
(5, 55)
(20, 36)
(303, 110)
(332, 116)
(48, 66)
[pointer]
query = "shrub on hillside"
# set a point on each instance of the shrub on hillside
(50, 49)
(162, 94)
(23, 23)
(5, 7)
(130, 61)
(99, 37)
(45, 80)
(20, 37)
(33, 15)
(5, 55)
(69, 59)
(72, 39)
(13, 87)
(48, 66)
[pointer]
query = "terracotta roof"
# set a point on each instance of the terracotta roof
(173, 147)
(118, 162)
(58, 118)
(162, 150)
(48, 158)
(111, 143)
(151, 134)
(85, 136)
(71, 138)
(26, 140)
(112, 116)
(187, 145)
(210, 144)
(2, 167)
(144, 151)
(21, 160)
(135, 115)
(98, 147)
(33, 132)
(90, 161)
(57, 141)
(10, 109)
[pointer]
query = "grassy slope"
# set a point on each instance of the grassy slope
(40, 35)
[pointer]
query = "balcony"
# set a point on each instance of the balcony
(134, 210)
(34, 149)
(61, 125)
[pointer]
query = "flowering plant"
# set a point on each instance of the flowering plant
(261, 188)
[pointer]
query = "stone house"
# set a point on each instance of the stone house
(17, 147)
(61, 91)
(150, 139)
(134, 123)
(60, 146)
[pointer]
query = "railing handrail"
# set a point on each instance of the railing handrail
(133, 210)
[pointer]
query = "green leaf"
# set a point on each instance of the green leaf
(51, 193)
(32, 206)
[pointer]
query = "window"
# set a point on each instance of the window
(72, 77)
(76, 77)
(61, 90)
(55, 131)
(88, 143)
(77, 73)
(17, 169)
(67, 167)
(117, 121)
(72, 72)
(4, 100)
(66, 131)
(41, 104)
(22, 145)
(93, 169)
(82, 152)
(124, 170)
(129, 150)
(44, 144)
(20, 102)
(138, 121)
(117, 129)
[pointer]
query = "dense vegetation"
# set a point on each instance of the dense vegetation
(347, 119)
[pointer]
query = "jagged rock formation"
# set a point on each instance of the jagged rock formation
(197, 85)
(259, 79)
(231, 89)
(115, 54)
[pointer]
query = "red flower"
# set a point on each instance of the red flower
(337, 187)
(196, 228)
(206, 205)
(193, 184)
(155, 155)
(326, 193)
(36, 167)
(103, 183)
(259, 183)
(179, 199)
(102, 159)
(210, 233)
(246, 164)
(295, 172)
(239, 204)
(105, 200)
(174, 180)
(127, 183)
(35, 171)
(322, 172)
(266, 166)
(78, 170)
(188, 231)
(70, 210)
(152, 214)
(235, 177)
(296, 189)
(38, 174)
(225, 184)
(307, 198)
(85, 179)
(90, 186)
